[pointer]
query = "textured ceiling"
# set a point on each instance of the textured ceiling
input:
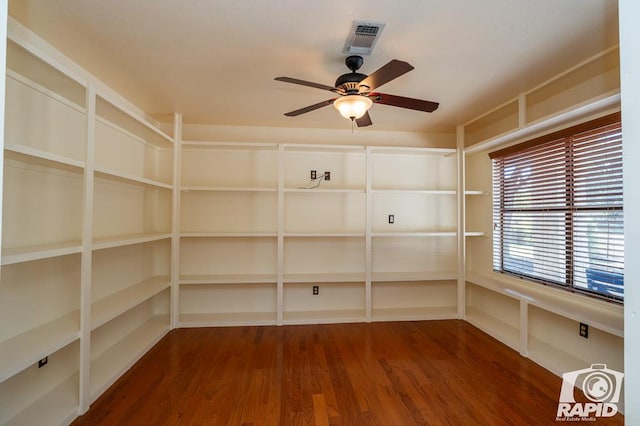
(215, 61)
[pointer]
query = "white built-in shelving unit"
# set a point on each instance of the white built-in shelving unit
(228, 234)
(40, 293)
(540, 322)
(131, 241)
(414, 259)
(323, 226)
(257, 233)
(86, 238)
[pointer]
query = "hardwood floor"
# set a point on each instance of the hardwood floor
(398, 373)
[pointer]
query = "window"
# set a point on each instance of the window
(557, 209)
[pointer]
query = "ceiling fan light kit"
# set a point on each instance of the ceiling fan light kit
(352, 106)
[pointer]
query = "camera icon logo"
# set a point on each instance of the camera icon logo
(599, 384)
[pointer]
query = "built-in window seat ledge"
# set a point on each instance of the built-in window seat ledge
(603, 315)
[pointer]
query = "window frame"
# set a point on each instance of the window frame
(570, 208)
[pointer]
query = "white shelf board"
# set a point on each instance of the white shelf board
(227, 189)
(552, 358)
(128, 178)
(229, 145)
(324, 277)
(113, 113)
(500, 330)
(228, 279)
(474, 192)
(415, 191)
(110, 307)
(323, 234)
(414, 234)
(23, 350)
(227, 319)
(58, 406)
(297, 147)
(602, 319)
(12, 255)
(40, 157)
(426, 234)
(414, 313)
(127, 240)
(115, 361)
(409, 150)
(474, 234)
(324, 317)
(325, 190)
(63, 96)
(602, 315)
(228, 234)
(413, 276)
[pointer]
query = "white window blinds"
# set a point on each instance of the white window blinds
(557, 209)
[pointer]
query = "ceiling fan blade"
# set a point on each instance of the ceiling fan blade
(306, 83)
(364, 121)
(392, 70)
(310, 108)
(402, 102)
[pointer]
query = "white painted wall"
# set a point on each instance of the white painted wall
(629, 14)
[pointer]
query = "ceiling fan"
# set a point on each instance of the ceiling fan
(356, 91)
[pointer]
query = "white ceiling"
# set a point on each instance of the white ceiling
(215, 60)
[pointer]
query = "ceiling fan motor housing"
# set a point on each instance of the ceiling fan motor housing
(349, 82)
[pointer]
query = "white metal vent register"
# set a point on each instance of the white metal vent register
(363, 37)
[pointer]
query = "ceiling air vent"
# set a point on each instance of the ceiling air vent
(363, 37)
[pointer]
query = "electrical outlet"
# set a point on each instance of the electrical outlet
(392, 218)
(584, 330)
(43, 362)
(314, 176)
(327, 175)
(316, 290)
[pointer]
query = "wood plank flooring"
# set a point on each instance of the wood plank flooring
(396, 373)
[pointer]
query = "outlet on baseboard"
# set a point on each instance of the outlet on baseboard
(316, 290)
(584, 330)
(313, 175)
(327, 175)
(392, 218)
(43, 362)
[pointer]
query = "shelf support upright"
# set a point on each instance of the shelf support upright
(460, 190)
(522, 111)
(524, 328)
(87, 252)
(280, 242)
(368, 224)
(3, 72)
(175, 221)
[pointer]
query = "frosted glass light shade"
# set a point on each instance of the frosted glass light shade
(352, 106)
